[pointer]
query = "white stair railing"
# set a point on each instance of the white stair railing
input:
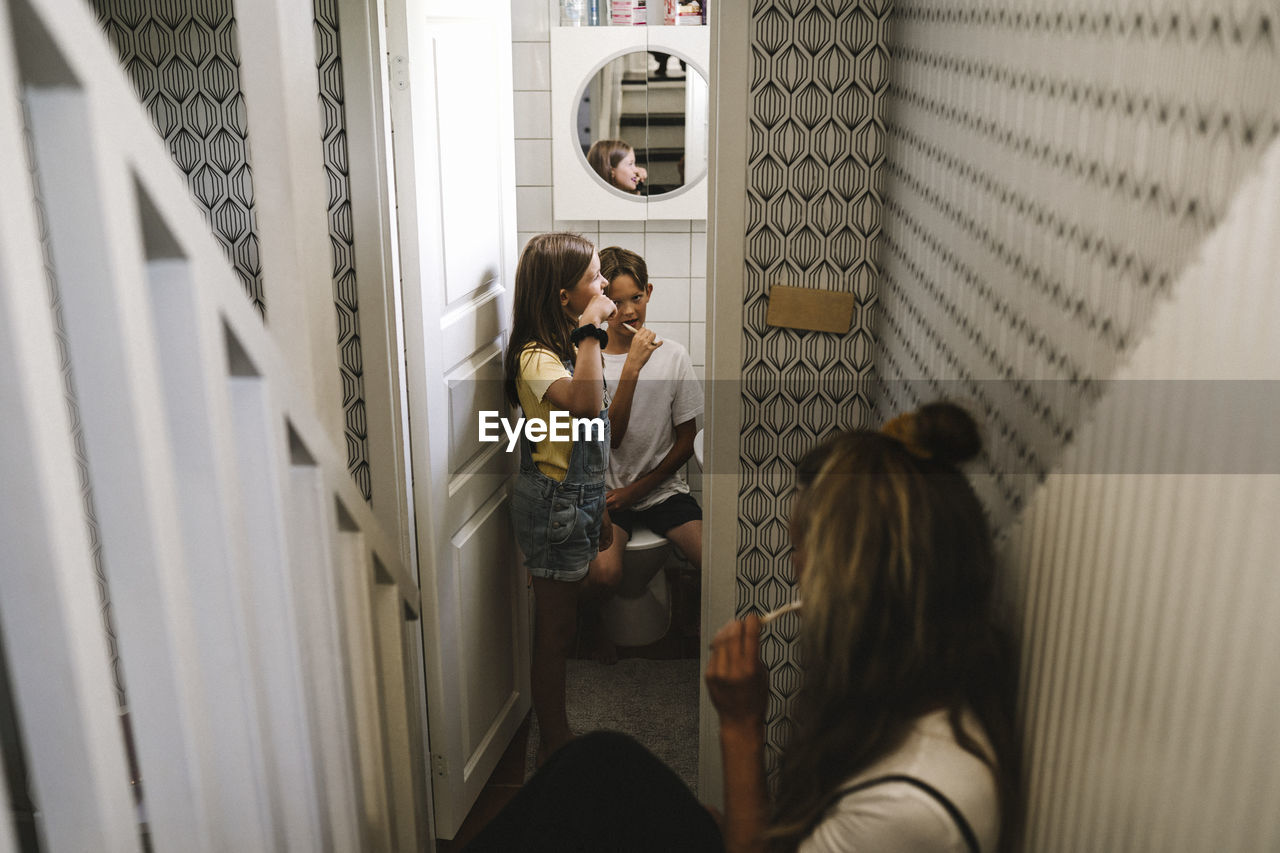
(261, 612)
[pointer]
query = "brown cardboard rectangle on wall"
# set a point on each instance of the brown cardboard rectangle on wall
(810, 309)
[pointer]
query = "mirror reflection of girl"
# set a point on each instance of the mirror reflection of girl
(615, 162)
(554, 363)
(903, 733)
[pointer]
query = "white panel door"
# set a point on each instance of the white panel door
(455, 172)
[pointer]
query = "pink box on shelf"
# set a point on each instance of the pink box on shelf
(682, 14)
(625, 13)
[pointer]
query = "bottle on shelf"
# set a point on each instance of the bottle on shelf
(572, 13)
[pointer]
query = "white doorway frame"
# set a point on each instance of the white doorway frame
(726, 250)
(367, 85)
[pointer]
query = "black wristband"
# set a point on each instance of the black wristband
(589, 331)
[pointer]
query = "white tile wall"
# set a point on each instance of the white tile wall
(533, 115)
(588, 228)
(533, 208)
(670, 301)
(698, 300)
(667, 254)
(530, 21)
(533, 162)
(531, 64)
(679, 226)
(622, 225)
(633, 241)
(674, 331)
(697, 342)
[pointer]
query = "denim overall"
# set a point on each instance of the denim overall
(557, 524)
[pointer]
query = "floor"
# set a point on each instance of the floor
(507, 778)
(682, 640)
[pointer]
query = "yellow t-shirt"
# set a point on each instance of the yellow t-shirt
(539, 367)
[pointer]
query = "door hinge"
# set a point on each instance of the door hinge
(440, 765)
(400, 72)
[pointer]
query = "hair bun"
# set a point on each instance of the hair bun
(940, 431)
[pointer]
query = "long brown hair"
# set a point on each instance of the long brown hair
(549, 263)
(900, 613)
(604, 155)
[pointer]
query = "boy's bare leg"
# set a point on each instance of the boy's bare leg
(555, 617)
(688, 538)
(603, 577)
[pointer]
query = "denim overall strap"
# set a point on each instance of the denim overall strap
(527, 464)
(587, 459)
(557, 523)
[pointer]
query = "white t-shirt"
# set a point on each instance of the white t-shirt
(898, 816)
(667, 393)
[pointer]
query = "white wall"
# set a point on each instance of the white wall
(1079, 239)
(1145, 575)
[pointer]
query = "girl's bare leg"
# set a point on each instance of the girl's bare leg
(605, 572)
(555, 618)
(603, 577)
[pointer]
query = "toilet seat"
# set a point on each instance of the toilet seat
(639, 611)
(644, 539)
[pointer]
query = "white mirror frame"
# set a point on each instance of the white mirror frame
(576, 55)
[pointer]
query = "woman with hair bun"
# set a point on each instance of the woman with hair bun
(903, 735)
(903, 732)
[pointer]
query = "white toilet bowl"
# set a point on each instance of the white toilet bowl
(639, 612)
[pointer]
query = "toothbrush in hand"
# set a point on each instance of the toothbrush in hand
(781, 611)
(632, 329)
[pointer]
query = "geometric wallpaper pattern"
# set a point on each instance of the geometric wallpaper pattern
(815, 149)
(341, 238)
(1050, 169)
(183, 61)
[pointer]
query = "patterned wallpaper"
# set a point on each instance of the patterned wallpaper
(1050, 169)
(341, 238)
(183, 60)
(1009, 188)
(818, 72)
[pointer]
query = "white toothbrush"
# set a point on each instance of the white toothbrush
(633, 330)
(781, 611)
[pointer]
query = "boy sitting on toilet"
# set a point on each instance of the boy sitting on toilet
(656, 401)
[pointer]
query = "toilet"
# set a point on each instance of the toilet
(639, 612)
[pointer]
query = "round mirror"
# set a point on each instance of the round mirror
(642, 124)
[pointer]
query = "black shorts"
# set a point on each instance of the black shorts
(662, 516)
